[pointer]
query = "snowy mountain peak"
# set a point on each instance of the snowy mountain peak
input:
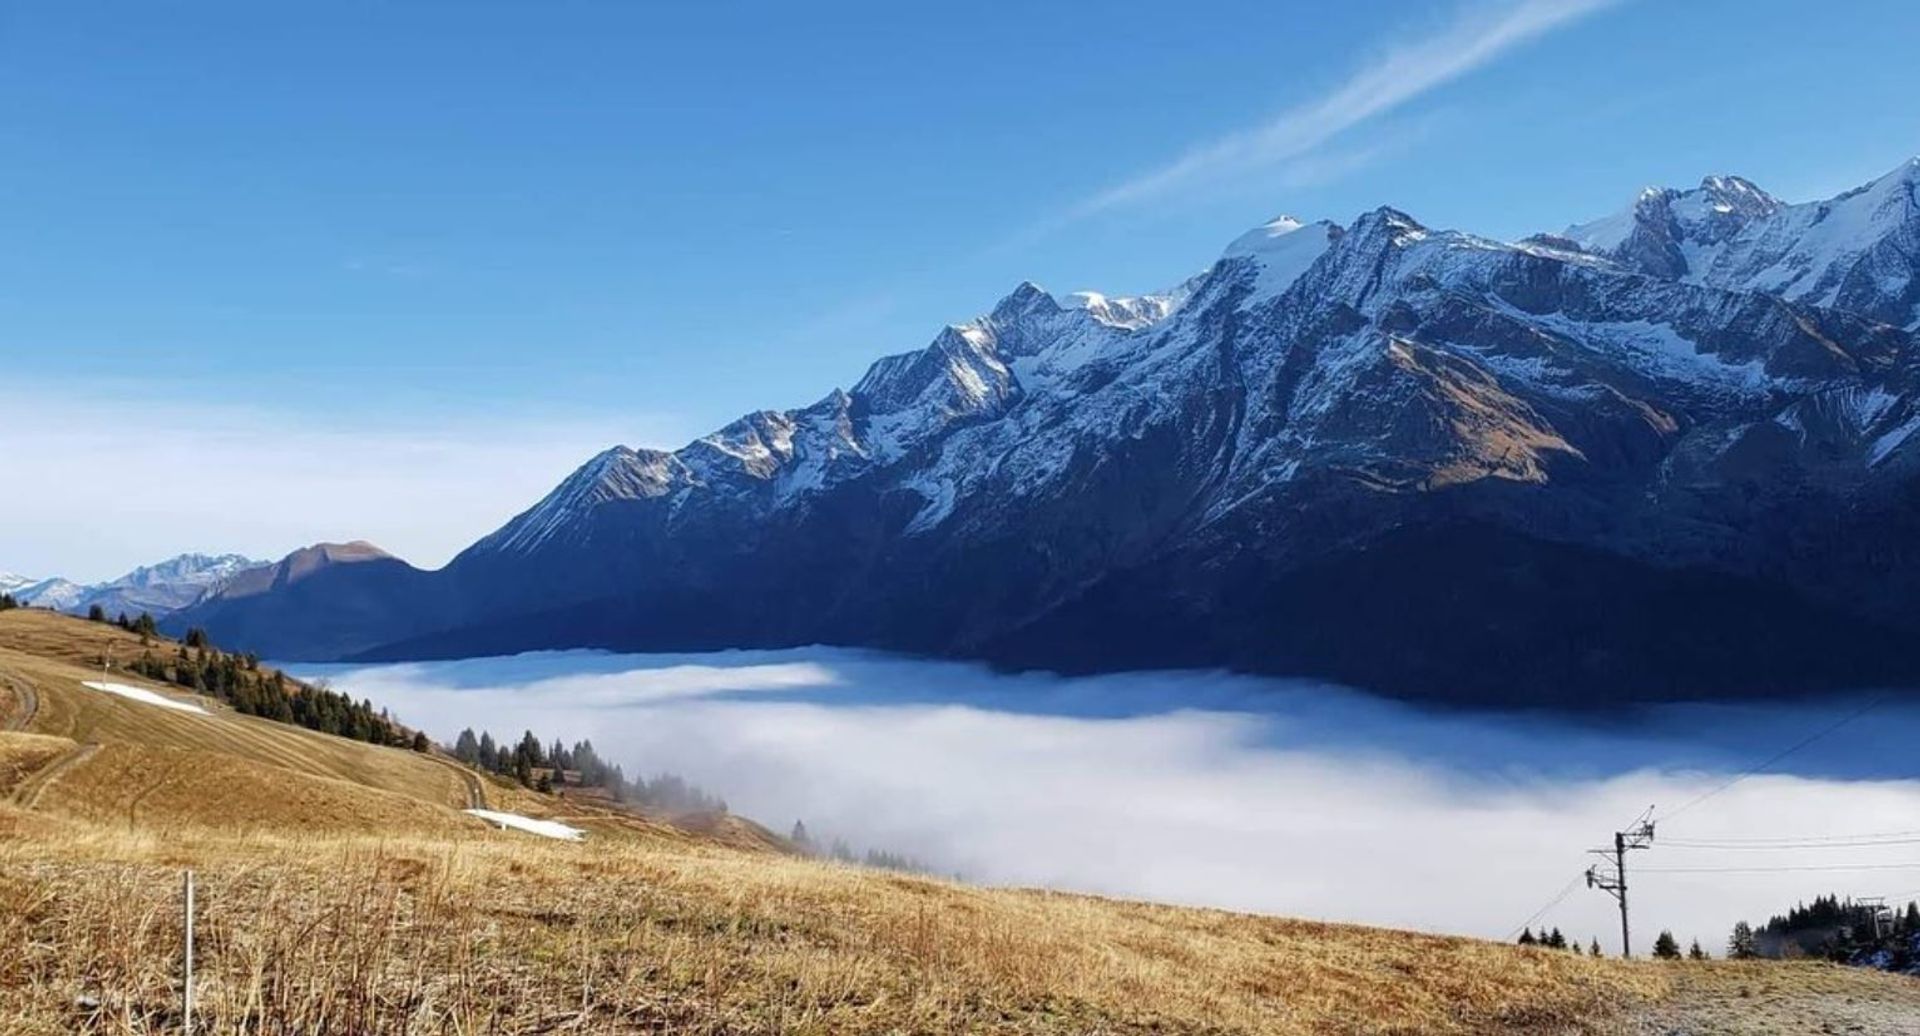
(1262, 237)
(160, 588)
(1281, 249)
(1026, 298)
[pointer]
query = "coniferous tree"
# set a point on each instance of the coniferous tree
(420, 741)
(1740, 945)
(489, 753)
(1666, 947)
(95, 613)
(800, 836)
(1593, 948)
(1526, 937)
(7, 602)
(1555, 940)
(1694, 952)
(466, 748)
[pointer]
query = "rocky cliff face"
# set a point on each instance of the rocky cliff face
(1671, 453)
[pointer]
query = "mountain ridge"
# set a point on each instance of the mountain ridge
(1317, 393)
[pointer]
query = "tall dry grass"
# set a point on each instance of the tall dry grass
(508, 934)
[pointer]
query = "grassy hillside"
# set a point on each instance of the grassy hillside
(341, 890)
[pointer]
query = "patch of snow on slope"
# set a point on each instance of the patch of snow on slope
(1892, 440)
(543, 828)
(1282, 250)
(143, 696)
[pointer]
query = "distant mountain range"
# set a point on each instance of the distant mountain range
(159, 589)
(1669, 453)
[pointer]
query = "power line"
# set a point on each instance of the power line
(1782, 754)
(1860, 836)
(1790, 867)
(1572, 884)
(1790, 846)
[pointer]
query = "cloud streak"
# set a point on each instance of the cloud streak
(1476, 37)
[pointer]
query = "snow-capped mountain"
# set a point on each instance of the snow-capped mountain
(158, 589)
(1858, 252)
(9, 582)
(1634, 460)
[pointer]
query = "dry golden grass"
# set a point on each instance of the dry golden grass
(502, 933)
(47, 652)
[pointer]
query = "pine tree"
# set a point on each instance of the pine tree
(1666, 947)
(1593, 949)
(420, 741)
(1555, 941)
(1526, 937)
(95, 613)
(466, 748)
(800, 836)
(1694, 952)
(1740, 945)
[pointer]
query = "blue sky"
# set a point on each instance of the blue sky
(492, 237)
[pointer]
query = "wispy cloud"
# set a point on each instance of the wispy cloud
(1476, 36)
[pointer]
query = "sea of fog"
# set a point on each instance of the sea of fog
(1279, 796)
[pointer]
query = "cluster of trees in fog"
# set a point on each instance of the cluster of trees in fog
(838, 849)
(547, 767)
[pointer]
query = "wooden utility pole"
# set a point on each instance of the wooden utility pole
(186, 1012)
(1614, 883)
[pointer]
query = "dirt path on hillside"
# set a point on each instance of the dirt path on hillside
(27, 795)
(476, 791)
(28, 698)
(1767, 998)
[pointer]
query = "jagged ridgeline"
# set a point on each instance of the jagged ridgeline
(1670, 453)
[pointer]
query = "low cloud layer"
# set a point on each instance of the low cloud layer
(1273, 796)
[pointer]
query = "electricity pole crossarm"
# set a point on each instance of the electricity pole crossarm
(1614, 881)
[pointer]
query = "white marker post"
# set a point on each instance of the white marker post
(187, 989)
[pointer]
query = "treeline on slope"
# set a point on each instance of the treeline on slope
(839, 849)
(548, 767)
(1845, 931)
(1666, 947)
(238, 680)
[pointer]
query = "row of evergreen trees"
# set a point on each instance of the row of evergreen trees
(838, 849)
(1666, 947)
(1836, 929)
(238, 680)
(544, 767)
(1555, 941)
(8, 602)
